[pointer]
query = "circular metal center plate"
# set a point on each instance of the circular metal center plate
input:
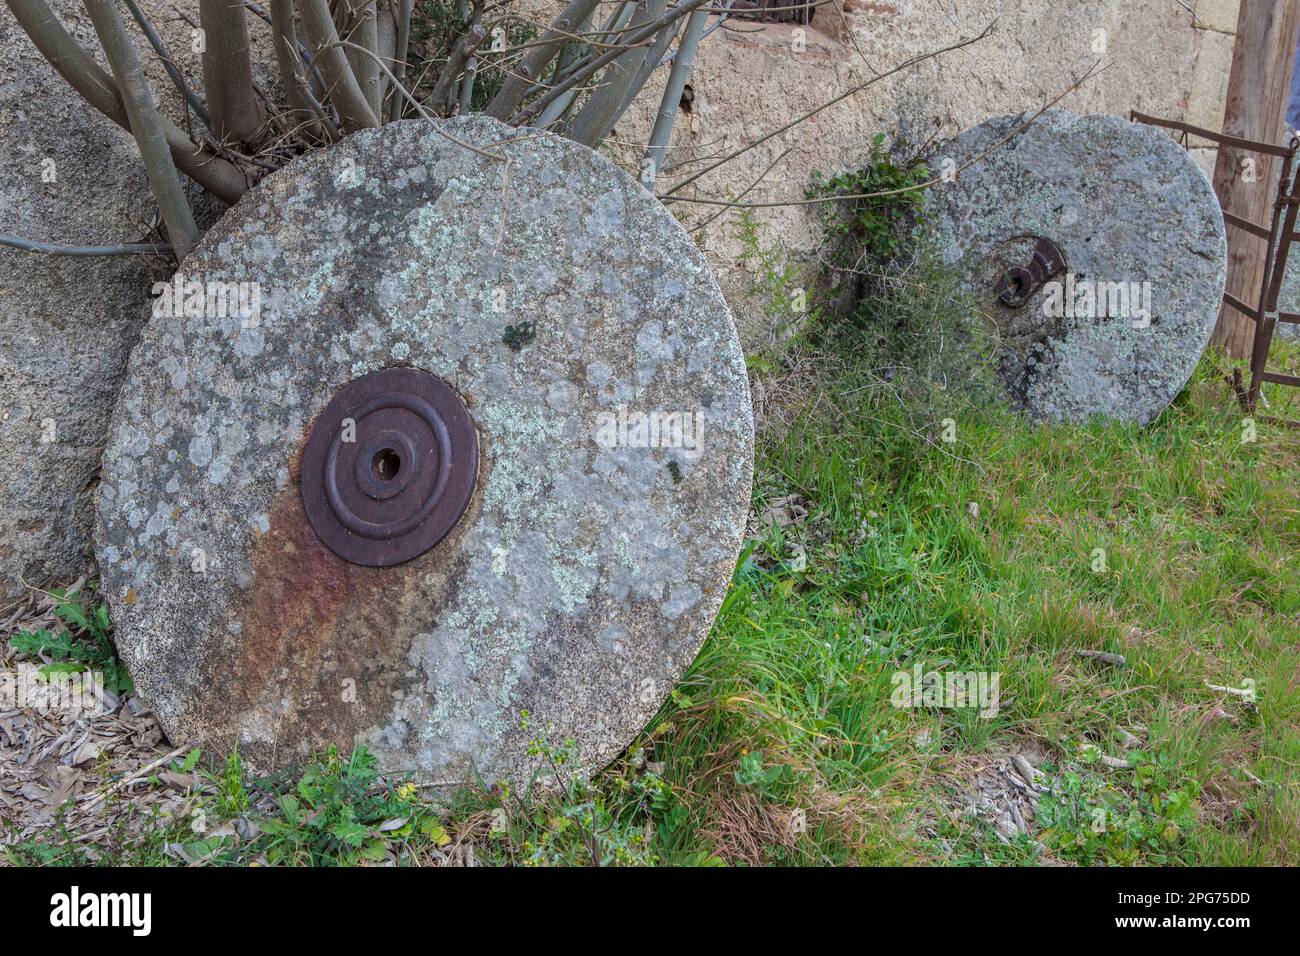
(1016, 270)
(389, 467)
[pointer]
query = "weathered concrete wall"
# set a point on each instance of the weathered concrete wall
(1161, 60)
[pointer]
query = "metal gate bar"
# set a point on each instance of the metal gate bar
(1278, 236)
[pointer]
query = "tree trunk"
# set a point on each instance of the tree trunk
(1245, 182)
(228, 72)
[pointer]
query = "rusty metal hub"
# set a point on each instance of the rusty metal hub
(1020, 282)
(389, 467)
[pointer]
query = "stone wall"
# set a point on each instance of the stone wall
(1216, 22)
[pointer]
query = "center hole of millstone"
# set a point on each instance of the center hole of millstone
(386, 464)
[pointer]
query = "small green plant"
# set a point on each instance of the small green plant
(340, 813)
(232, 795)
(880, 205)
(83, 645)
(581, 823)
(896, 316)
(1089, 818)
(919, 336)
(779, 285)
(752, 773)
(56, 846)
(777, 279)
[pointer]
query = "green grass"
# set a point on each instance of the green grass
(1201, 585)
(781, 745)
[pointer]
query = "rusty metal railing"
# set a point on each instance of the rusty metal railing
(1278, 236)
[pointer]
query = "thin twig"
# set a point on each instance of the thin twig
(132, 777)
(58, 249)
(155, 41)
(505, 206)
(761, 176)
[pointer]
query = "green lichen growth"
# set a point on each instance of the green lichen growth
(675, 470)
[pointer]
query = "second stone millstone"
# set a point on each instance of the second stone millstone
(440, 442)
(1095, 254)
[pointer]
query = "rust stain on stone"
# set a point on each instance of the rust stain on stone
(317, 649)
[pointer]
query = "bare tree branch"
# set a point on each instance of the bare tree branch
(588, 67)
(284, 37)
(364, 31)
(570, 53)
(467, 86)
(58, 249)
(424, 113)
(744, 192)
(513, 89)
(602, 109)
(343, 88)
(654, 59)
(67, 57)
(842, 197)
(169, 64)
(405, 8)
(466, 44)
(223, 179)
(146, 124)
(228, 71)
(386, 14)
(323, 117)
(666, 118)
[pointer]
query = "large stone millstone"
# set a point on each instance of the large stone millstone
(587, 569)
(1122, 203)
